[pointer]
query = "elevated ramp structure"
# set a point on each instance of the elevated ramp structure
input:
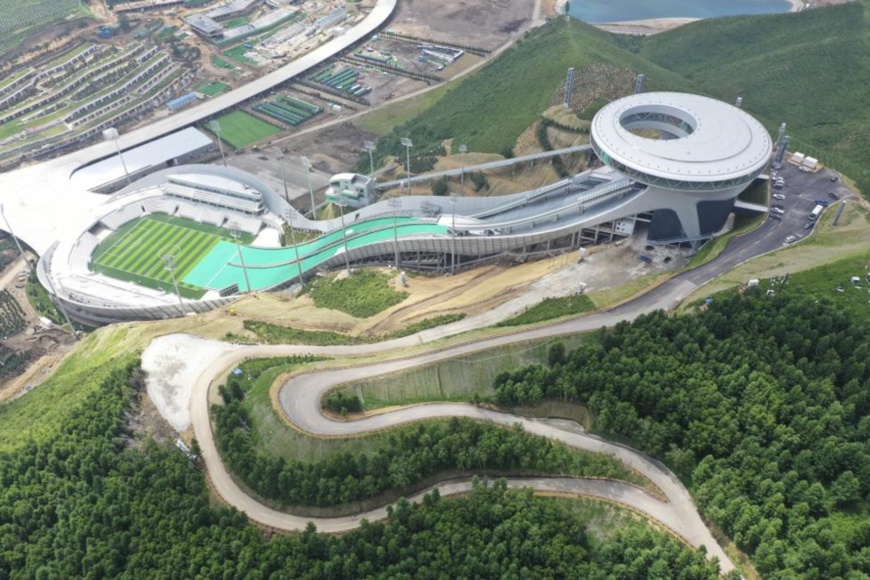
(670, 182)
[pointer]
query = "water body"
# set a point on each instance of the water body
(621, 10)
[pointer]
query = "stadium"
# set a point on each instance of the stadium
(190, 238)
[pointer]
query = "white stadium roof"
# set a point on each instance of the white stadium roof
(41, 201)
(706, 140)
(140, 158)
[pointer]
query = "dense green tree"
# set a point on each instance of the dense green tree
(760, 404)
(87, 503)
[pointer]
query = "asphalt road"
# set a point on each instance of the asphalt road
(300, 400)
(300, 397)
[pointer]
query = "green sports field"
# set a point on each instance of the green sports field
(211, 88)
(239, 129)
(133, 252)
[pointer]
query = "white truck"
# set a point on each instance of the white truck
(817, 211)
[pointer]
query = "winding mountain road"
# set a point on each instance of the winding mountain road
(300, 402)
(172, 369)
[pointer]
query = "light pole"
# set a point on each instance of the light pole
(463, 149)
(306, 163)
(407, 144)
(17, 243)
(290, 213)
(453, 234)
(344, 236)
(395, 203)
(169, 264)
(370, 147)
(111, 134)
(236, 233)
(283, 174)
(215, 127)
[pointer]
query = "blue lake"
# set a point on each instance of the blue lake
(620, 10)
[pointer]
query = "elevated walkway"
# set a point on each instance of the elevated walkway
(481, 167)
(747, 207)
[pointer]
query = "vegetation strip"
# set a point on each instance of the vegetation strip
(414, 453)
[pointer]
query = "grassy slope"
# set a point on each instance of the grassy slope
(850, 240)
(456, 379)
(491, 108)
(42, 412)
(808, 69)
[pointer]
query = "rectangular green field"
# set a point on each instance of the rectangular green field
(239, 129)
(211, 88)
(134, 252)
(237, 53)
(240, 21)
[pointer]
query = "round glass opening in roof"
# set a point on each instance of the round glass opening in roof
(661, 122)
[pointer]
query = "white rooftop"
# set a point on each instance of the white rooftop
(215, 181)
(711, 140)
(142, 157)
(41, 202)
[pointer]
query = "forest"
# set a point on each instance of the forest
(413, 454)
(97, 500)
(759, 404)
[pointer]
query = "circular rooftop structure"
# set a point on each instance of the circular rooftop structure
(681, 141)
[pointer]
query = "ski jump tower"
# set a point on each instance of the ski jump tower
(695, 155)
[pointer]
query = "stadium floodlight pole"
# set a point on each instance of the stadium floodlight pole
(344, 236)
(169, 263)
(111, 134)
(17, 243)
(463, 149)
(453, 235)
(283, 174)
(370, 146)
(215, 127)
(306, 163)
(407, 144)
(396, 204)
(290, 213)
(236, 232)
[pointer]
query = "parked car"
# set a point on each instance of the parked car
(823, 202)
(778, 196)
(834, 178)
(809, 225)
(777, 210)
(775, 217)
(833, 195)
(790, 239)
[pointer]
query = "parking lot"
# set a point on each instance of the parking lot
(801, 190)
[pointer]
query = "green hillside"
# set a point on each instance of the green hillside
(491, 108)
(808, 69)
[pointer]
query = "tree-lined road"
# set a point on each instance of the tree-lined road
(300, 401)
